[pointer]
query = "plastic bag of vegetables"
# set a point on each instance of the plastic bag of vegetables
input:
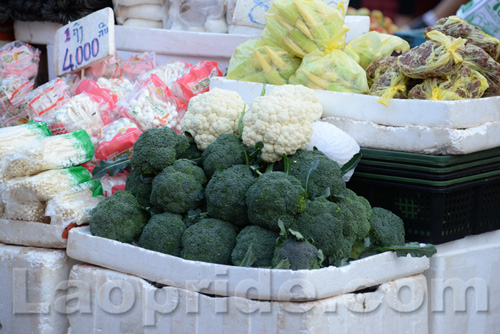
(391, 84)
(373, 45)
(378, 67)
(463, 84)
(479, 60)
(331, 70)
(255, 61)
(304, 26)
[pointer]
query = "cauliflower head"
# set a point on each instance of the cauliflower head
(212, 114)
(282, 120)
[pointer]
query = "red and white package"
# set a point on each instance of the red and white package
(117, 139)
(136, 65)
(118, 86)
(196, 80)
(108, 68)
(19, 59)
(15, 114)
(112, 184)
(47, 97)
(169, 72)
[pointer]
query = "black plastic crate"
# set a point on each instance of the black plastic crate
(433, 214)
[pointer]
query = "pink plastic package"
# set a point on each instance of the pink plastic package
(117, 139)
(196, 80)
(112, 184)
(135, 65)
(47, 97)
(108, 68)
(19, 59)
(13, 88)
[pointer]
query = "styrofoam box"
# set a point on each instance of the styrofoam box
(464, 286)
(31, 280)
(442, 114)
(254, 283)
(35, 234)
(113, 302)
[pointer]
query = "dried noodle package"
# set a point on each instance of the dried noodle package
(373, 45)
(440, 56)
(378, 67)
(464, 84)
(255, 61)
(456, 27)
(477, 59)
(391, 84)
(331, 70)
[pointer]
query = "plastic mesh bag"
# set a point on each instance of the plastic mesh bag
(463, 84)
(331, 70)
(378, 67)
(255, 61)
(304, 26)
(391, 84)
(373, 45)
(440, 56)
(478, 60)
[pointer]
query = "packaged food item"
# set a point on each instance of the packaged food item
(378, 67)
(304, 26)
(137, 64)
(440, 56)
(15, 114)
(197, 15)
(331, 70)
(479, 60)
(118, 86)
(458, 28)
(373, 45)
(54, 152)
(109, 68)
(27, 211)
(196, 80)
(46, 97)
(117, 139)
(15, 137)
(13, 88)
(19, 59)
(255, 61)
(391, 84)
(148, 13)
(112, 184)
(169, 72)
(463, 84)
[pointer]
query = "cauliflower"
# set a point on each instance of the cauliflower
(282, 120)
(212, 114)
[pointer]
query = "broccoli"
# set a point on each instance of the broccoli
(296, 254)
(326, 178)
(163, 233)
(387, 228)
(257, 241)
(357, 212)
(140, 187)
(274, 196)
(156, 149)
(119, 217)
(209, 240)
(322, 223)
(226, 151)
(225, 194)
(178, 188)
(191, 153)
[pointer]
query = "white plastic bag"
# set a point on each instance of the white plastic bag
(197, 15)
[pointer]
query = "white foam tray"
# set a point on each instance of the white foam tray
(35, 234)
(443, 114)
(421, 139)
(150, 310)
(253, 283)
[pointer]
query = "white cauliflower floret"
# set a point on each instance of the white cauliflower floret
(281, 120)
(212, 114)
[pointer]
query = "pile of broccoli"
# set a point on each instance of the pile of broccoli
(226, 206)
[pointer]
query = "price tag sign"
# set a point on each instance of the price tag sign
(81, 43)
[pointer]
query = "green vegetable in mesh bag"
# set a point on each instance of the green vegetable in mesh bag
(391, 84)
(479, 60)
(378, 67)
(331, 70)
(304, 26)
(463, 84)
(373, 45)
(255, 61)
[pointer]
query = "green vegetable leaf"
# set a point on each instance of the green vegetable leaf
(351, 164)
(287, 164)
(281, 225)
(263, 92)
(284, 264)
(249, 258)
(297, 235)
(112, 167)
(311, 169)
(412, 248)
(240, 122)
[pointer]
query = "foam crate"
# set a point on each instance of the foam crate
(254, 283)
(397, 306)
(33, 234)
(29, 289)
(464, 286)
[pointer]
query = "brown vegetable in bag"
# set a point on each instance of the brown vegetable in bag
(456, 27)
(441, 55)
(478, 60)
(391, 84)
(378, 67)
(463, 84)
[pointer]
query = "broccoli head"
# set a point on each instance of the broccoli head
(225, 194)
(163, 233)
(387, 228)
(326, 175)
(140, 187)
(322, 223)
(357, 212)
(209, 240)
(226, 151)
(275, 196)
(119, 217)
(191, 153)
(156, 149)
(261, 242)
(178, 188)
(296, 254)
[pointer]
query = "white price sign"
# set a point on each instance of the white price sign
(81, 43)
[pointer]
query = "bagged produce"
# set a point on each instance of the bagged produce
(19, 59)
(108, 68)
(458, 28)
(46, 98)
(304, 26)
(463, 84)
(118, 86)
(137, 64)
(197, 15)
(331, 70)
(391, 84)
(15, 114)
(169, 72)
(479, 60)
(112, 184)
(441, 55)
(13, 138)
(195, 81)
(117, 139)
(12, 88)
(52, 152)
(373, 45)
(378, 67)
(255, 61)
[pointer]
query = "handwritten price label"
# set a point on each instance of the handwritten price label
(81, 43)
